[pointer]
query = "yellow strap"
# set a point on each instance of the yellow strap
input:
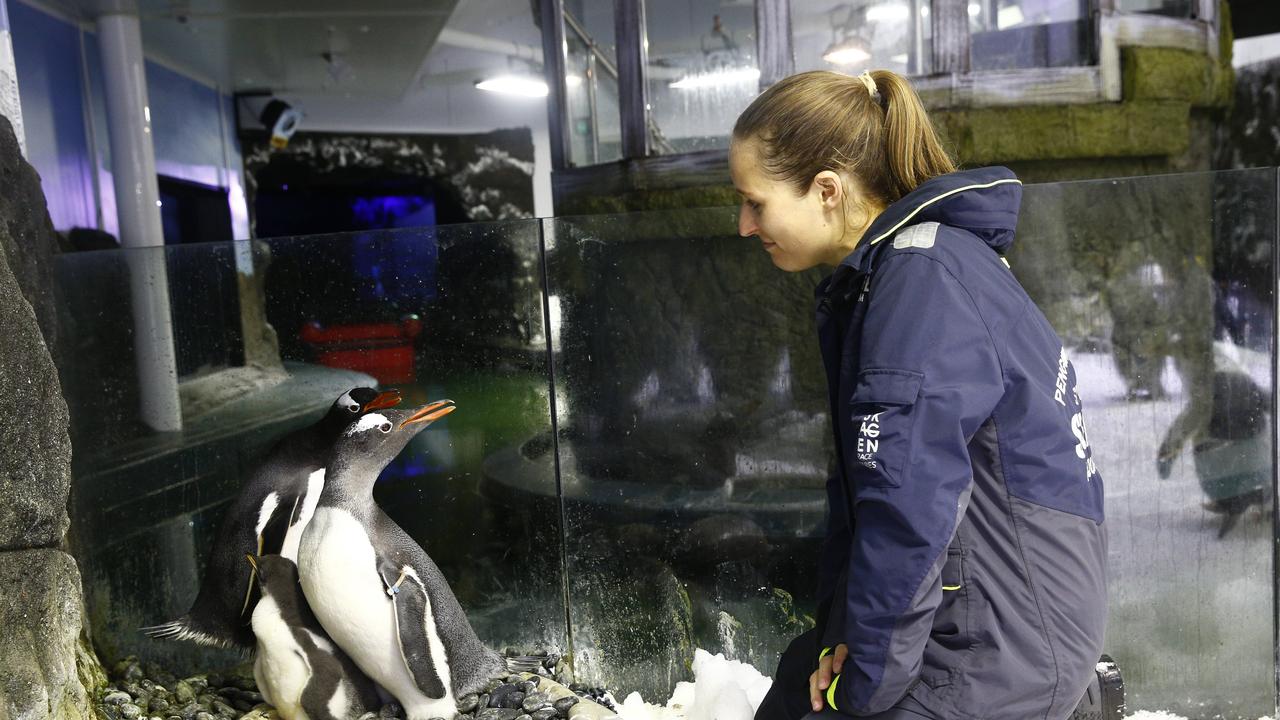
(831, 693)
(950, 587)
(825, 652)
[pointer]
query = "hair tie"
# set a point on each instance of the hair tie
(870, 82)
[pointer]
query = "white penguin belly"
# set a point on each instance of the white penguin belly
(281, 668)
(338, 569)
(293, 536)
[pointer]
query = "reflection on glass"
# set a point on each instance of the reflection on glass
(450, 312)
(591, 84)
(855, 36)
(1169, 8)
(702, 71)
(1007, 34)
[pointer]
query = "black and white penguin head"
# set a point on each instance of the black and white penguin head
(274, 573)
(356, 402)
(369, 444)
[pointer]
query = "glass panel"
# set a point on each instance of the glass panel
(1170, 8)
(450, 312)
(702, 70)
(852, 36)
(694, 443)
(591, 80)
(1008, 34)
(1163, 290)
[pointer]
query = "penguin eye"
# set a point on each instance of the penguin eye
(385, 427)
(354, 408)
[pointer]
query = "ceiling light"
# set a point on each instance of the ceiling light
(975, 9)
(716, 78)
(890, 12)
(1009, 16)
(847, 52)
(573, 80)
(514, 85)
(900, 59)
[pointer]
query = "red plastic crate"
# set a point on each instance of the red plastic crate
(383, 350)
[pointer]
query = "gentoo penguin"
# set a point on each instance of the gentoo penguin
(375, 591)
(297, 668)
(266, 518)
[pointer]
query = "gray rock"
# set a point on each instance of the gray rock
(35, 457)
(183, 693)
(40, 613)
(499, 714)
(535, 701)
(205, 716)
(563, 704)
(129, 711)
(544, 714)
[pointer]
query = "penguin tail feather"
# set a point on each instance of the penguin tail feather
(184, 630)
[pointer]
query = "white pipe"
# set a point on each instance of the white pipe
(9, 104)
(133, 167)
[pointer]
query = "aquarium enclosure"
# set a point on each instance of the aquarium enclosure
(636, 467)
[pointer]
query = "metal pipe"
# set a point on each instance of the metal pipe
(591, 108)
(138, 207)
(471, 41)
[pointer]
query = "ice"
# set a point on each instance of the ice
(722, 690)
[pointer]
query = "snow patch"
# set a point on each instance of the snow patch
(722, 690)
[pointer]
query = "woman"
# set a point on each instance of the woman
(963, 572)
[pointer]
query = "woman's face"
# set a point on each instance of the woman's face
(799, 231)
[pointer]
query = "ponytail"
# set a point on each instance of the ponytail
(820, 120)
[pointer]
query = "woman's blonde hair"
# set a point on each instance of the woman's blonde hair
(821, 120)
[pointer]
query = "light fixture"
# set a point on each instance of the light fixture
(514, 85)
(975, 9)
(887, 12)
(1009, 16)
(572, 80)
(847, 52)
(716, 78)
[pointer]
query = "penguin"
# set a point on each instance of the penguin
(297, 667)
(266, 518)
(375, 590)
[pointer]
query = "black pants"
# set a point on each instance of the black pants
(788, 699)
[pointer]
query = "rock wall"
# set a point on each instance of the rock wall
(40, 593)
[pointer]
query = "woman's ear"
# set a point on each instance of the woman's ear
(829, 188)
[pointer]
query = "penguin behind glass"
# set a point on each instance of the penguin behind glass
(375, 591)
(297, 668)
(266, 518)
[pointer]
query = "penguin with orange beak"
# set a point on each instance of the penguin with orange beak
(375, 591)
(267, 518)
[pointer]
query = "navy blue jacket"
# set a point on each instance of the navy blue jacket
(965, 556)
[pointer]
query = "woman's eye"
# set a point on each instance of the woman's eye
(753, 205)
(385, 427)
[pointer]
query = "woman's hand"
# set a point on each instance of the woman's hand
(828, 667)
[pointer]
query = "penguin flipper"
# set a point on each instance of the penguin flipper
(409, 596)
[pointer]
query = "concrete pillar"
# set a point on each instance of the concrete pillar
(9, 105)
(133, 168)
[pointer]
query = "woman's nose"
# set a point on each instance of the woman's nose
(746, 222)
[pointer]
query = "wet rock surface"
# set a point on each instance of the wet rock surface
(145, 691)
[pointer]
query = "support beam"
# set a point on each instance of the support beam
(133, 168)
(630, 34)
(553, 67)
(773, 41)
(950, 20)
(10, 107)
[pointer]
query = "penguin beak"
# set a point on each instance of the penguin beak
(430, 413)
(389, 398)
(252, 561)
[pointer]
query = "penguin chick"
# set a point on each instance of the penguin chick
(375, 590)
(298, 669)
(266, 518)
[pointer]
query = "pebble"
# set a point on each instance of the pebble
(563, 704)
(535, 701)
(506, 696)
(129, 711)
(499, 714)
(545, 713)
(391, 710)
(116, 698)
(484, 700)
(204, 716)
(468, 703)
